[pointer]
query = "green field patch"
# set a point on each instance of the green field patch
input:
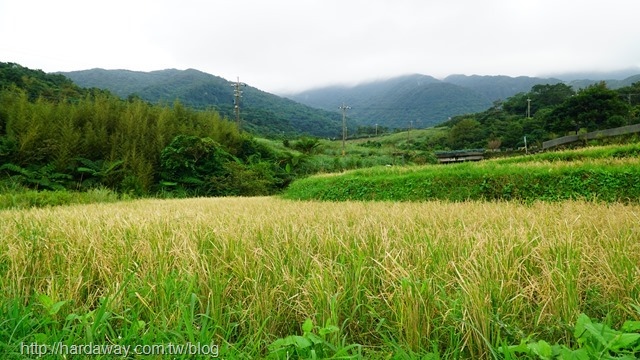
(604, 174)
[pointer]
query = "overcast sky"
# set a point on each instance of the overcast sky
(288, 45)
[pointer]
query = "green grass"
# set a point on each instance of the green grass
(607, 174)
(23, 198)
(596, 152)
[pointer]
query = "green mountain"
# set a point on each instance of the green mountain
(420, 100)
(498, 87)
(407, 101)
(261, 112)
(401, 102)
(611, 83)
(598, 75)
(37, 83)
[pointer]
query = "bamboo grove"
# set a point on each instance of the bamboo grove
(99, 140)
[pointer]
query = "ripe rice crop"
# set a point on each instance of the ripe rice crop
(457, 279)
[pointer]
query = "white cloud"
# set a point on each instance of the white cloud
(286, 44)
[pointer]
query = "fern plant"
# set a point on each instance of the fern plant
(39, 177)
(99, 172)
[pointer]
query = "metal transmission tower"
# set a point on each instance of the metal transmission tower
(237, 94)
(344, 109)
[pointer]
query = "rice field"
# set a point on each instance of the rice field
(402, 280)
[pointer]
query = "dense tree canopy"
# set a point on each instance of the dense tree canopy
(56, 135)
(593, 108)
(465, 133)
(100, 140)
(547, 111)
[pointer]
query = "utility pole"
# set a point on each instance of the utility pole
(376, 130)
(526, 150)
(237, 94)
(344, 109)
(410, 128)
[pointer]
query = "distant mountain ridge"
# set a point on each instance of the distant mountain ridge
(418, 100)
(611, 83)
(498, 87)
(261, 112)
(596, 76)
(414, 100)
(421, 100)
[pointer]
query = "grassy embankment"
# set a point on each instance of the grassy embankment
(20, 198)
(457, 279)
(402, 148)
(610, 173)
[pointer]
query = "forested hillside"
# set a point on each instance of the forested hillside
(261, 112)
(497, 88)
(611, 83)
(411, 101)
(402, 102)
(36, 83)
(418, 100)
(545, 112)
(421, 101)
(55, 135)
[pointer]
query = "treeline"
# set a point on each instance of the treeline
(544, 113)
(37, 83)
(100, 140)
